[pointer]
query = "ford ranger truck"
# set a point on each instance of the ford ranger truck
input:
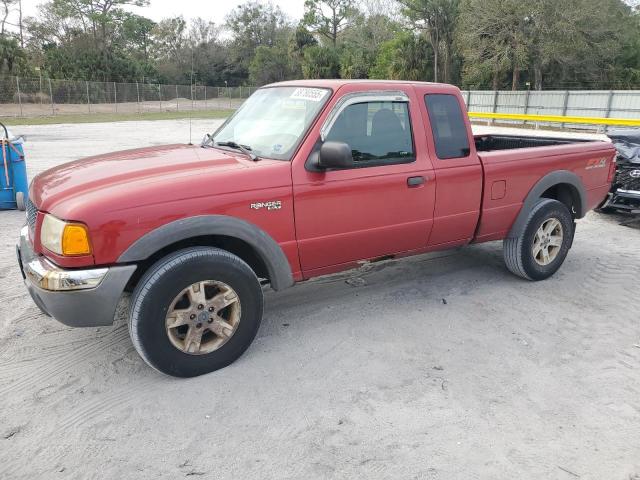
(307, 178)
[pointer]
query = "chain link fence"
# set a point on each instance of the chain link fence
(33, 97)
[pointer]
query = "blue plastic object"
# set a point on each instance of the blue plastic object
(14, 186)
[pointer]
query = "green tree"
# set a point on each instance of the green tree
(6, 7)
(493, 38)
(354, 62)
(329, 18)
(438, 19)
(406, 57)
(270, 64)
(320, 62)
(299, 40)
(136, 34)
(12, 57)
(255, 24)
(169, 38)
(361, 43)
(574, 43)
(88, 39)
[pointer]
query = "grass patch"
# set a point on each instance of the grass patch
(116, 117)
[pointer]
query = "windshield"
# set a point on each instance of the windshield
(273, 120)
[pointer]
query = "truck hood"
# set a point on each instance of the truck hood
(126, 171)
(627, 143)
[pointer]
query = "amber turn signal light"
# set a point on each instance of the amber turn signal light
(75, 240)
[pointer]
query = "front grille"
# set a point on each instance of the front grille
(626, 181)
(32, 213)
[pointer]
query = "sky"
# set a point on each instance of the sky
(215, 10)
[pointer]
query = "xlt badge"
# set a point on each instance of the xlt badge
(272, 205)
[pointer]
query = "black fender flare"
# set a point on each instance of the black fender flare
(550, 180)
(275, 260)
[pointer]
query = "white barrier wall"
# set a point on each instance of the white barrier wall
(579, 103)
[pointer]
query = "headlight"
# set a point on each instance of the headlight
(64, 238)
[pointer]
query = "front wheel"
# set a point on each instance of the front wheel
(543, 245)
(195, 311)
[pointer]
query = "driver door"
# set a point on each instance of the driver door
(382, 206)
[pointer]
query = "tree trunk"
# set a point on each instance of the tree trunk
(334, 29)
(435, 64)
(4, 19)
(20, 23)
(515, 79)
(434, 39)
(537, 73)
(446, 63)
(496, 76)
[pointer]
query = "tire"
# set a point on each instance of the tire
(153, 300)
(20, 201)
(519, 251)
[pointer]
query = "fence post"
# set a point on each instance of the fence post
(160, 96)
(205, 97)
(88, 99)
(138, 94)
(19, 95)
(53, 110)
(41, 95)
(115, 96)
(565, 105)
(495, 104)
(608, 112)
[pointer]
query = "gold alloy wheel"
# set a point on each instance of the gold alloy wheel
(203, 317)
(547, 241)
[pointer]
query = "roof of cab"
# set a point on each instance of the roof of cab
(337, 83)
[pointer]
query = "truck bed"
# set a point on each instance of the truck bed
(491, 143)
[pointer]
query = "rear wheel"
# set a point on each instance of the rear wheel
(543, 245)
(195, 311)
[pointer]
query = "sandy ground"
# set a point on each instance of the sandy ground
(443, 366)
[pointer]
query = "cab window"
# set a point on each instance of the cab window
(448, 127)
(378, 132)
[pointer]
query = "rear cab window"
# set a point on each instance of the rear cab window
(448, 126)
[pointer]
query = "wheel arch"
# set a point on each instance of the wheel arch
(561, 185)
(243, 239)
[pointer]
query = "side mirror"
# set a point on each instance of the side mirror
(335, 155)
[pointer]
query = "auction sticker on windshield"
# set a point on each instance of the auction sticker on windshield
(311, 94)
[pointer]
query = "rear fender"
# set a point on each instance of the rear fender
(545, 183)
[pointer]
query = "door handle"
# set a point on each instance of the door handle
(413, 182)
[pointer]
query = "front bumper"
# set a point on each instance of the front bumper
(622, 199)
(78, 298)
(632, 194)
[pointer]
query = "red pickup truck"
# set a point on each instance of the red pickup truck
(307, 178)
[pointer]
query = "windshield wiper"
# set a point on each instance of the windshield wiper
(246, 149)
